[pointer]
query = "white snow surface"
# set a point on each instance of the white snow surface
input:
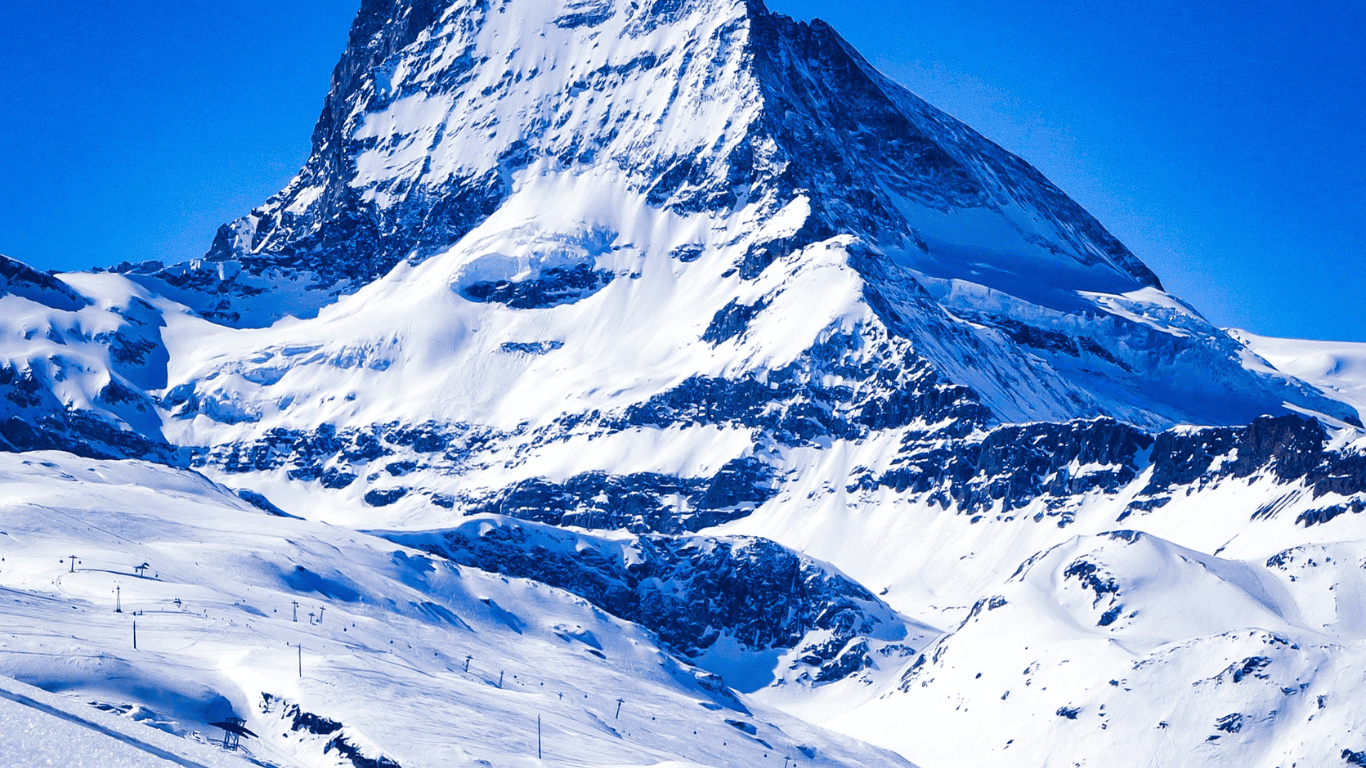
(216, 631)
(1338, 368)
(1223, 574)
(41, 728)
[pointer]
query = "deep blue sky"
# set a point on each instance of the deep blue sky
(1222, 141)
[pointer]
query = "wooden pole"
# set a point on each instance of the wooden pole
(135, 634)
(619, 703)
(500, 678)
(301, 659)
(538, 737)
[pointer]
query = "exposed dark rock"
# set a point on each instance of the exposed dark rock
(1249, 666)
(639, 502)
(690, 590)
(532, 347)
(732, 321)
(1316, 516)
(881, 384)
(301, 721)
(1092, 578)
(1015, 465)
(1230, 723)
(383, 497)
(19, 279)
(551, 288)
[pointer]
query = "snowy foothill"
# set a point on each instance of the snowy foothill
(393, 654)
(1109, 633)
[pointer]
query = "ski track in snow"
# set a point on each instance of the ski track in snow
(386, 661)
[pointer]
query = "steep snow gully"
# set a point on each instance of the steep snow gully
(653, 382)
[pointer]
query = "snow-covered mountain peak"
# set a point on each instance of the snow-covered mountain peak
(564, 240)
(440, 112)
(549, 150)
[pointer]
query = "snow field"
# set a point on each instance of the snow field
(1221, 574)
(387, 660)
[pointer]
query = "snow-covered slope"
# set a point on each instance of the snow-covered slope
(405, 658)
(746, 608)
(1338, 368)
(41, 728)
(1126, 649)
(78, 357)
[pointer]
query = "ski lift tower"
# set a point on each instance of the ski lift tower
(234, 728)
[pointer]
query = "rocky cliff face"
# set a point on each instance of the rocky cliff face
(733, 602)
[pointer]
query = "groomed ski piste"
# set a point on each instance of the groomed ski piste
(383, 638)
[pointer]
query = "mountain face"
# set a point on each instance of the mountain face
(701, 595)
(772, 136)
(694, 224)
(436, 107)
(682, 311)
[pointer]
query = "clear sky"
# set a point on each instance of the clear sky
(1222, 141)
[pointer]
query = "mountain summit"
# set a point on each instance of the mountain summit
(439, 113)
(735, 131)
(533, 223)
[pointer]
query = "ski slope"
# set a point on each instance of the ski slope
(386, 664)
(41, 728)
